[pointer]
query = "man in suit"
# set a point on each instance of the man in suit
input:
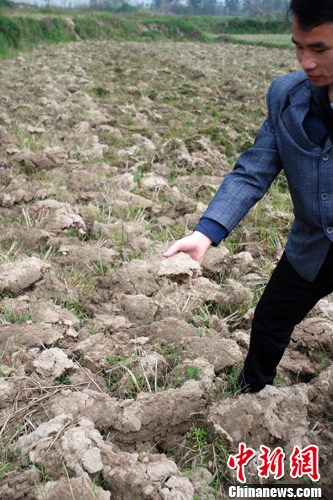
(293, 138)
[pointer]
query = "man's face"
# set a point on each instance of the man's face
(314, 51)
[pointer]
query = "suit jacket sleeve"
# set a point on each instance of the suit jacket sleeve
(251, 177)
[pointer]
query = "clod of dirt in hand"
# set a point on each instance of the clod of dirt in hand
(179, 267)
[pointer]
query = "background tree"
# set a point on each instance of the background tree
(195, 6)
(232, 7)
(209, 7)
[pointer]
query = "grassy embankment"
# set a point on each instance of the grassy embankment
(23, 29)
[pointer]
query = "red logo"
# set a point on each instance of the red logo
(302, 462)
(239, 461)
(272, 462)
(305, 461)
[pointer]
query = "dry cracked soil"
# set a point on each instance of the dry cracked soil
(113, 361)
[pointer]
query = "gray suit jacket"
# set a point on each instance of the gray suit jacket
(283, 144)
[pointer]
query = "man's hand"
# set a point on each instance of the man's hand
(195, 245)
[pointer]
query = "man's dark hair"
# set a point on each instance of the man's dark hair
(311, 13)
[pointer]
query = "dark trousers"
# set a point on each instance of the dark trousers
(285, 302)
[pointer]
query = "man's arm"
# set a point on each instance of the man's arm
(252, 176)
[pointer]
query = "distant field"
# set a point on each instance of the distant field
(21, 30)
(265, 40)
